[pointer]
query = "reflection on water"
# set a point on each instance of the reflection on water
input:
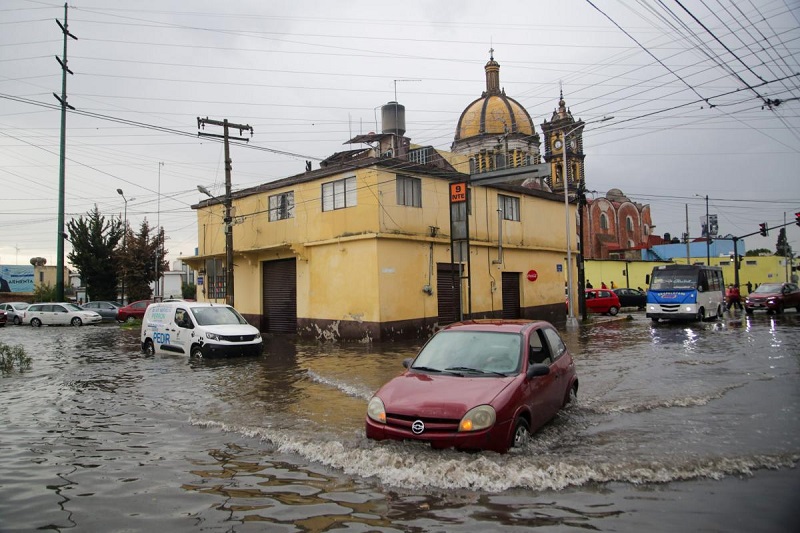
(96, 434)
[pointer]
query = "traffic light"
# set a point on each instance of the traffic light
(762, 229)
(797, 218)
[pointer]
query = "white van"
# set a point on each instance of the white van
(198, 330)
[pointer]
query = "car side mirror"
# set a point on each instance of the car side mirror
(407, 362)
(537, 369)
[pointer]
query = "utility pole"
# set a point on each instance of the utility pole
(63, 157)
(201, 123)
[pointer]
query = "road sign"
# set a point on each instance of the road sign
(533, 275)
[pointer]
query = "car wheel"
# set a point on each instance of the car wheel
(748, 311)
(18, 320)
(701, 314)
(779, 309)
(196, 352)
(572, 396)
(521, 434)
(130, 319)
(76, 322)
(35, 322)
(613, 311)
(149, 349)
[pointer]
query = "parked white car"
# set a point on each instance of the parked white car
(15, 311)
(59, 314)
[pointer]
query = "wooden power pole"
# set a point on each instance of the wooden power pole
(201, 123)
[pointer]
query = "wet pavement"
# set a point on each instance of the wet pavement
(692, 427)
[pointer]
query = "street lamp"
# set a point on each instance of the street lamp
(124, 243)
(572, 322)
(158, 235)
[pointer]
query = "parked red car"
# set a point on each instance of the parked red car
(602, 301)
(773, 298)
(477, 385)
(133, 311)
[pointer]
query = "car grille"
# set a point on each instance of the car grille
(670, 308)
(437, 425)
(237, 338)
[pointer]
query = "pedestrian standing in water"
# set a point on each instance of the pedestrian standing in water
(589, 284)
(749, 287)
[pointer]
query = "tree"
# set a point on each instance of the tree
(756, 252)
(782, 247)
(138, 258)
(93, 253)
(188, 291)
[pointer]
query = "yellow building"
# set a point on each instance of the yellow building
(361, 247)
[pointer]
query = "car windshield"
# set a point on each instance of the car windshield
(768, 288)
(20, 306)
(213, 316)
(471, 353)
(668, 280)
(73, 307)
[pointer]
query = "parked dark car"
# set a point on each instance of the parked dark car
(773, 298)
(631, 298)
(477, 385)
(107, 310)
(602, 301)
(133, 311)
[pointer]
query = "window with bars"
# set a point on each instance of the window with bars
(509, 206)
(281, 206)
(216, 278)
(339, 194)
(409, 191)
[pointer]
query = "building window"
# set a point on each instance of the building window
(339, 194)
(409, 191)
(281, 206)
(629, 223)
(421, 156)
(603, 221)
(509, 206)
(215, 279)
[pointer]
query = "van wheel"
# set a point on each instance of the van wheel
(149, 349)
(701, 315)
(196, 352)
(521, 434)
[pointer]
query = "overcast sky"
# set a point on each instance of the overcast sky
(689, 86)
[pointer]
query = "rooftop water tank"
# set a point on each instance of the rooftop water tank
(393, 117)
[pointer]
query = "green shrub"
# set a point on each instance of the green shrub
(11, 356)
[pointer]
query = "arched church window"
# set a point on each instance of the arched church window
(629, 223)
(603, 221)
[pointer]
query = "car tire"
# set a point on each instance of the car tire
(613, 311)
(17, 320)
(571, 397)
(129, 319)
(35, 322)
(196, 352)
(522, 433)
(779, 309)
(701, 315)
(149, 349)
(749, 312)
(77, 322)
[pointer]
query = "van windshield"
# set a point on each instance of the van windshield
(213, 316)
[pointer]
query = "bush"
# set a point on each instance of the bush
(11, 356)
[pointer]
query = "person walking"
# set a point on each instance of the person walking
(749, 287)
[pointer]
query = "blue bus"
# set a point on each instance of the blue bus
(685, 292)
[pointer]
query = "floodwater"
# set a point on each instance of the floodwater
(678, 427)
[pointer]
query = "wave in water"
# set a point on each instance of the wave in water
(415, 466)
(347, 388)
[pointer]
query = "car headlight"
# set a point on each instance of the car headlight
(477, 418)
(376, 411)
(258, 335)
(212, 336)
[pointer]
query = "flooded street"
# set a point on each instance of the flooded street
(678, 427)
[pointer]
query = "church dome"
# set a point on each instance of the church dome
(493, 113)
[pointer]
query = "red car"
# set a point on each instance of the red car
(773, 298)
(602, 301)
(477, 385)
(133, 311)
